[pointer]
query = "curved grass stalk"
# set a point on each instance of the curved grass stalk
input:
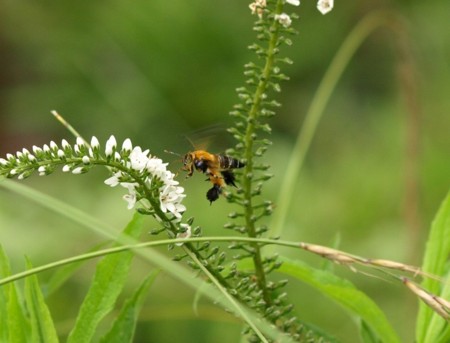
(334, 72)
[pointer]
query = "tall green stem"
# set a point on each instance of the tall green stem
(249, 151)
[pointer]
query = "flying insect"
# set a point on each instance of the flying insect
(218, 168)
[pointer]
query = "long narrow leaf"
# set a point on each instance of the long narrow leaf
(14, 326)
(124, 326)
(5, 270)
(42, 327)
(345, 294)
(108, 282)
(429, 325)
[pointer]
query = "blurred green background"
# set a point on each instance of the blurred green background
(155, 71)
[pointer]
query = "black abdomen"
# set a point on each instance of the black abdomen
(227, 162)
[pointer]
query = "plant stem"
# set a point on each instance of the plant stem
(249, 147)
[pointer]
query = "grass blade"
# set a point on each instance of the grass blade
(42, 327)
(124, 326)
(345, 294)
(430, 325)
(14, 326)
(109, 279)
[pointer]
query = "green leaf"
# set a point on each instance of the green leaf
(367, 335)
(345, 294)
(125, 324)
(5, 270)
(42, 327)
(109, 279)
(430, 326)
(14, 326)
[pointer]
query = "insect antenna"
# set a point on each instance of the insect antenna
(173, 153)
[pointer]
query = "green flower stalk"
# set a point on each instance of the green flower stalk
(250, 130)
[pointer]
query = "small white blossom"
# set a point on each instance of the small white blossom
(13, 172)
(78, 170)
(170, 199)
(60, 153)
(156, 167)
(257, 7)
(131, 197)
(46, 148)
(19, 154)
(25, 151)
(41, 171)
(31, 157)
(114, 180)
(3, 162)
(283, 19)
(94, 143)
(110, 146)
(65, 144)
(36, 149)
(117, 156)
(66, 168)
(53, 145)
(85, 159)
(325, 6)
(10, 156)
(126, 145)
(138, 159)
(293, 2)
(80, 141)
(21, 176)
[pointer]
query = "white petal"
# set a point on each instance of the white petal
(78, 170)
(325, 6)
(94, 142)
(80, 141)
(60, 153)
(113, 180)
(53, 146)
(110, 145)
(65, 144)
(36, 149)
(126, 145)
(293, 2)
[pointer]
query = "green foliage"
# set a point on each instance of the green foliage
(345, 294)
(430, 326)
(108, 282)
(124, 326)
(42, 327)
(14, 326)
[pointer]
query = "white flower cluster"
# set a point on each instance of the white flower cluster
(258, 6)
(151, 169)
(140, 173)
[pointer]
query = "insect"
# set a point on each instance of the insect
(218, 168)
